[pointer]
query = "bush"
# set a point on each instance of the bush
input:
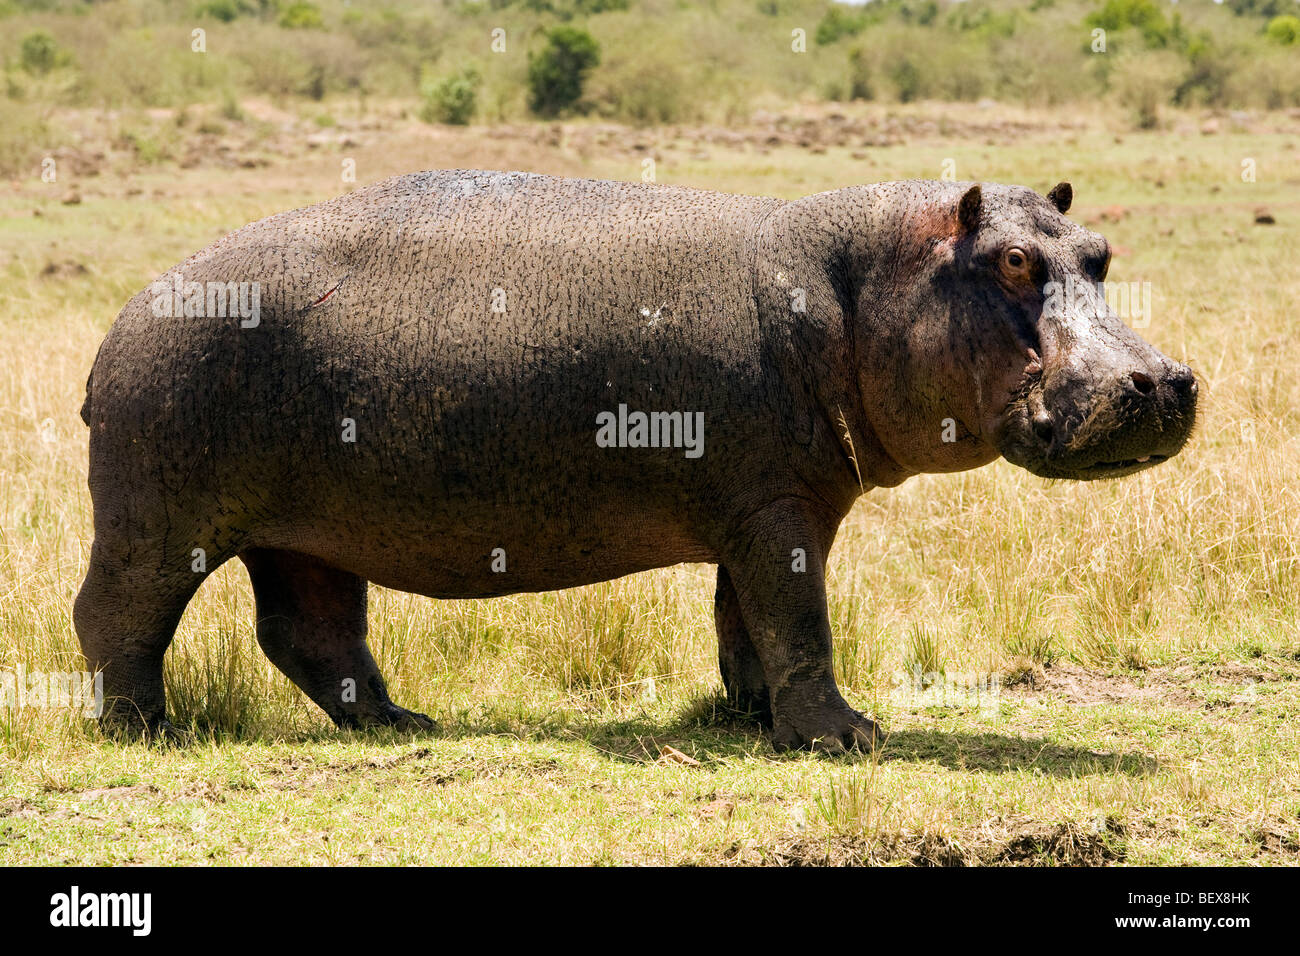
(644, 91)
(1284, 30)
(39, 53)
(452, 99)
(1143, 15)
(860, 85)
(1146, 83)
(302, 16)
(837, 24)
(1207, 73)
(1256, 8)
(907, 80)
(557, 74)
(223, 10)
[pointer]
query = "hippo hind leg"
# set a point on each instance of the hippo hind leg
(311, 623)
(126, 615)
(742, 671)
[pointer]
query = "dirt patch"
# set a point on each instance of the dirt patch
(1277, 840)
(1179, 685)
(1066, 844)
(386, 761)
(891, 848)
(301, 773)
(17, 807)
(1077, 685)
(1062, 844)
(205, 790)
(133, 792)
(67, 269)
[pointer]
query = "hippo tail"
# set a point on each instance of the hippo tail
(85, 406)
(90, 382)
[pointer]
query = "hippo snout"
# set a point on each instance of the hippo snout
(1085, 425)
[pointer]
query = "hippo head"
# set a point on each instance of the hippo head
(1003, 343)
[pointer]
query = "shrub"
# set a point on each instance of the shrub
(451, 99)
(1256, 8)
(1284, 30)
(1207, 73)
(860, 85)
(557, 74)
(1142, 15)
(223, 10)
(39, 53)
(838, 24)
(907, 80)
(1145, 83)
(301, 16)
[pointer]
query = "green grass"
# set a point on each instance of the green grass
(1150, 623)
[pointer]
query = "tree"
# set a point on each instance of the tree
(556, 75)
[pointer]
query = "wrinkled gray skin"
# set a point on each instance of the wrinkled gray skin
(475, 429)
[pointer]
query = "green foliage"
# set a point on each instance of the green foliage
(556, 75)
(1207, 72)
(223, 10)
(301, 15)
(837, 24)
(1284, 30)
(228, 11)
(599, 6)
(923, 13)
(1257, 8)
(1142, 15)
(860, 76)
(983, 21)
(906, 77)
(450, 99)
(658, 61)
(39, 54)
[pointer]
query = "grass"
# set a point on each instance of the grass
(1149, 624)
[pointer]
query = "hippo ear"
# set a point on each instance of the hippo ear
(968, 210)
(1061, 196)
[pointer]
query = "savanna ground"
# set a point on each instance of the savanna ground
(1144, 631)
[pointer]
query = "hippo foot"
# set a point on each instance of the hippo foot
(835, 731)
(159, 732)
(389, 715)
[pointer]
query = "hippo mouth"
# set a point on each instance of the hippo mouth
(1111, 469)
(1111, 440)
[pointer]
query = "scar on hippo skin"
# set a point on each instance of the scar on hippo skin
(478, 435)
(325, 298)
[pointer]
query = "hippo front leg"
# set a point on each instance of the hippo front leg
(777, 570)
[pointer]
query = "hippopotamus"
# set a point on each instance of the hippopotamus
(466, 384)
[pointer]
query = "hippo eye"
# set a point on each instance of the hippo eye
(1016, 261)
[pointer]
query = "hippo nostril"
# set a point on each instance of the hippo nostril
(1042, 426)
(1143, 382)
(1183, 381)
